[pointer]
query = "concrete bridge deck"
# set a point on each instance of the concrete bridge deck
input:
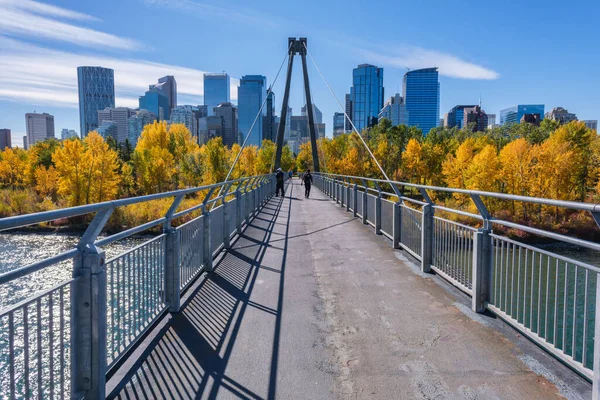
(309, 304)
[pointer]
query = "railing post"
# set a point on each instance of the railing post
(226, 233)
(364, 205)
(482, 263)
(88, 314)
(172, 259)
(397, 225)
(172, 269)
(427, 237)
(348, 197)
(206, 236)
(238, 211)
(355, 202)
(88, 325)
(596, 373)
(378, 213)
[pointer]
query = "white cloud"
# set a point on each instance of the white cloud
(46, 9)
(26, 18)
(41, 76)
(416, 57)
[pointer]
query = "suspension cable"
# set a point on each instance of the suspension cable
(351, 123)
(237, 157)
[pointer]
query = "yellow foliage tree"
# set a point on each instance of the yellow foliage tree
(215, 157)
(248, 160)
(287, 159)
(71, 162)
(265, 157)
(483, 171)
(304, 159)
(413, 162)
(13, 167)
(46, 181)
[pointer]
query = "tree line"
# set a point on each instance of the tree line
(551, 161)
(54, 174)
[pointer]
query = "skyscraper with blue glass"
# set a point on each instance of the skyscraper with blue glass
(251, 94)
(366, 95)
(421, 92)
(96, 92)
(514, 114)
(216, 90)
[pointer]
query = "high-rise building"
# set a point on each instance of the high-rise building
(491, 120)
(560, 115)
(348, 110)
(338, 123)
(477, 117)
(25, 144)
(168, 86)
(210, 127)
(318, 115)
(299, 129)
(251, 94)
(421, 92)
(108, 129)
(591, 123)
(216, 90)
(67, 134)
(513, 115)
(269, 125)
(229, 114)
(96, 92)
(155, 101)
(366, 95)
(288, 121)
(455, 116)
(136, 123)
(39, 127)
(202, 111)
(442, 124)
(5, 140)
(187, 115)
(395, 110)
(120, 116)
(534, 119)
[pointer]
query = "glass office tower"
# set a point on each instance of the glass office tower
(251, 94)
(96, 92)
(421, 92)
(366, 95)
(216, 91)
(514, 114)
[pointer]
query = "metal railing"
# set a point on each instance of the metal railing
(60, 342)
(549, 297)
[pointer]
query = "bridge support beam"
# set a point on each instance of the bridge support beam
(378, 213)
(172, 272)
(297, 46)
(355, 200)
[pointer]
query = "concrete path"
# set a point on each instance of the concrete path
(310, 304)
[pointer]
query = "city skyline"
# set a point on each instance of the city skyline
(35, 56)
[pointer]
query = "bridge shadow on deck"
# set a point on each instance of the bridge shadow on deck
(189, 356)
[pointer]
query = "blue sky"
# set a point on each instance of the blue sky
(507, 52)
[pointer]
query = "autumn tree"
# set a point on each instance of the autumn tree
(265, 157)
(216, 161)
(413, 162)
(12, 167)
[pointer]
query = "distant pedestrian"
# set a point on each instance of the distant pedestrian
(290, 174)
(279, 180)
(307, 180)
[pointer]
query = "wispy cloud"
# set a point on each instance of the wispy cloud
(415, 57)
(43, 76)
(208, 11)
(27, 18)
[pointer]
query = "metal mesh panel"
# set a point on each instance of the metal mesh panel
(216, 228)
(453, 251)
(371, 208)
(387, 217)
(135, 294)
(550, 297)
(410, 231)
(191, 246)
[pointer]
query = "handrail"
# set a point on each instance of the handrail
(46, 216)
(594, 208)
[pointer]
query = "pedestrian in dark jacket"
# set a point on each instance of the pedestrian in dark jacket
(307, 180)
(279, 180)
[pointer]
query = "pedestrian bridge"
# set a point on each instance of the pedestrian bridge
(352, 293)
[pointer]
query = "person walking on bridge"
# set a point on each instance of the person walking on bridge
(307, 180)
(279, 179)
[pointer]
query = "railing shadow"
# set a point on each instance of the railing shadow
(189, 357)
